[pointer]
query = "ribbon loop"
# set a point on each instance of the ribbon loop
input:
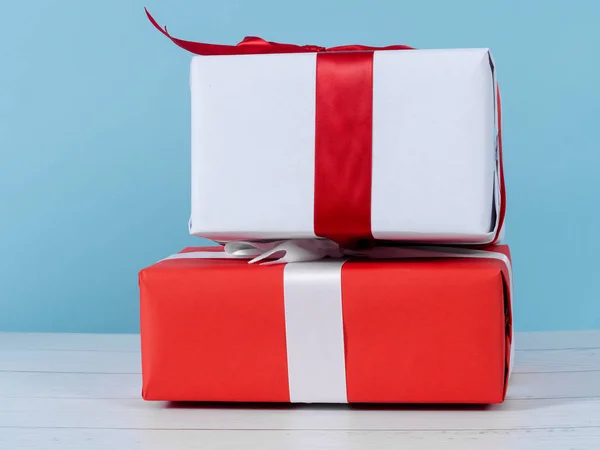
(253, 40)
(281, 252)
(246, 249)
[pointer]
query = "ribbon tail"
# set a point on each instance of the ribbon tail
(155, 23)
(249, 46)
(198, 48)
(186, 45)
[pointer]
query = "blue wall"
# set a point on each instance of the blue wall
(94, 141)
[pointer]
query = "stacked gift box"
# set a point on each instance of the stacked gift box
(357, 197)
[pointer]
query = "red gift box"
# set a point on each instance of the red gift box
(413, 330)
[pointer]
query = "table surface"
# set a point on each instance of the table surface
(61, 391)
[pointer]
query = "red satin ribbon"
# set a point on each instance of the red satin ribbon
(500, 169)
(252, 45)
(343, 146)
(343, 131)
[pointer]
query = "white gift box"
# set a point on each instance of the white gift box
(434, 164)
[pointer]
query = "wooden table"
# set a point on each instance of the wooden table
(60, 391)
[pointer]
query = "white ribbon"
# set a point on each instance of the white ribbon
(314, 330)
(286, 251)
(313, 304)
(273, 252)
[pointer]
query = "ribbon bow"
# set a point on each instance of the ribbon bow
(286, 251)
(305, 250)
(252, 45)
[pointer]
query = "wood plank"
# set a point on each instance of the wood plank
(70, 361)
(122, 414)
(554, 340)
(70, 341)
(129, 362)
(570, 360)
(554, 385)
(83, 391)
(128, 386)
(557, 340)
(90, 439)
(70, 385)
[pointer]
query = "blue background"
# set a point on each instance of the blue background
(94, 141)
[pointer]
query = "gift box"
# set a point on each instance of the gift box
(346, 143)
(423, 325)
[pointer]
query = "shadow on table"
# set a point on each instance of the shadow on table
(519, 404)
(325, 406)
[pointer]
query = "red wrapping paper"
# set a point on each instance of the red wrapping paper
(415, 331)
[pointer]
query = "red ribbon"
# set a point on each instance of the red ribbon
(343, 146)
(500, 169)
(252, 45)
(343, 130)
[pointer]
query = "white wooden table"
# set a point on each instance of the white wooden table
(83, 392)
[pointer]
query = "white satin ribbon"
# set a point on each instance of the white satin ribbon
(313, 304)
(285, 251)
(314, 329)
(272, 252)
